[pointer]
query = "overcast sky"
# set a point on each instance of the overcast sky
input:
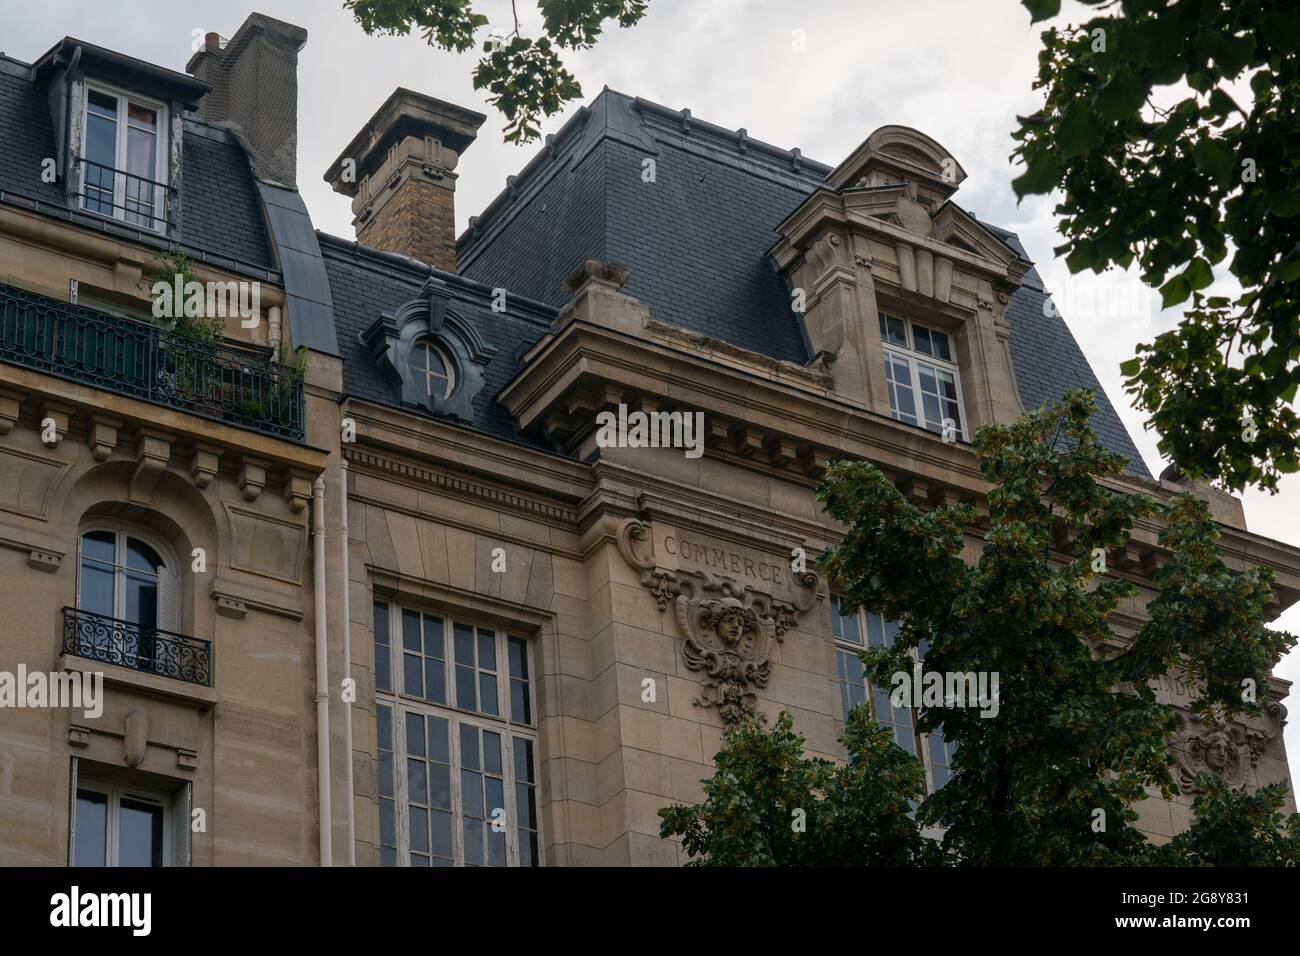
(958, 71)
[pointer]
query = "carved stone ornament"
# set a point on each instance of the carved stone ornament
(729, 628)
(1229, 752)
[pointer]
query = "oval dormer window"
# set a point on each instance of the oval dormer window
(433, 373)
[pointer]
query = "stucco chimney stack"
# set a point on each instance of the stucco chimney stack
(400, 172)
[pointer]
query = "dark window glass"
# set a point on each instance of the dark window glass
(383, 659)
(139, 833)
(91, 844)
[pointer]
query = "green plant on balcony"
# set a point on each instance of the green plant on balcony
(186, 362)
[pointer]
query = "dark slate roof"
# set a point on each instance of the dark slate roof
(221, 214)
(365, 282)
(696, 240)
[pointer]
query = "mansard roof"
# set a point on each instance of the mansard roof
(696, 236)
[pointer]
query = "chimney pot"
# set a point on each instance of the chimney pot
(212, 41)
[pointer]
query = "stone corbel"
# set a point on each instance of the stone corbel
(56, 414)
(11, 404)
(814, 462)
(153, 449)
(205, 461)
(252, 476)
(102, 436)
(297, 489)
(45, 561)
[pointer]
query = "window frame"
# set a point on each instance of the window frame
(158, 217)
(423, 345)
(912, 358)
(122, 531)
(921, 739)
(400, 703)
(112, 838)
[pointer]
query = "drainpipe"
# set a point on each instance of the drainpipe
(347, 673)
(322, 672)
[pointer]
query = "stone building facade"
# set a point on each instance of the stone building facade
(364, 613)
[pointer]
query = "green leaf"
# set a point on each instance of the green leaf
(1174, 291)
(1130, 368)
(1041, 9)
(1079, 131)
(1213, 158)
(1285, 205)
(1042, 175)
(1121, 97)
(1198, 274)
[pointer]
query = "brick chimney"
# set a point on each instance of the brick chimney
(400, 172)
(254, 81)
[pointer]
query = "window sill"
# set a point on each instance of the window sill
(196, 695)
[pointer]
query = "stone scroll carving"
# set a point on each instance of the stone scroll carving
(729, 628)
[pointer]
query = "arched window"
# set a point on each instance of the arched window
(128, 574)
(432, 371)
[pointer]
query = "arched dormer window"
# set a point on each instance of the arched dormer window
(432, 350)
(130, 577)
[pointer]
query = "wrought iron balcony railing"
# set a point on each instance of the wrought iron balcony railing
(147, 362)
(149, 650)
(134, 199)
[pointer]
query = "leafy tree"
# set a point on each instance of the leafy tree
(770, 805)
(1232, 829)
(1208, 185)
(1048, 772)
(525, 75)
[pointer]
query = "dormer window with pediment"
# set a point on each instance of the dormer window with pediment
(431, 350)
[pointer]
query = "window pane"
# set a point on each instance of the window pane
(419, 820)
(492, 752)
(875, 630)
(413, 671)
(465, 695)
(469, 747)
(893, 330)
(142, 116)
(487, 650)
(494, 797)
(526, 806)
(471, 794)
(464, 639)
(438, 748)
(411, 631)
(435, 681)
(440, 786)
(521, 710)
(92, 829)
(487, 694)
(139, 833)
(100, 546)
(141, 557)
(921, 335)
(96, 588)
(473, 842)
(383, 660)
(524, 760)
(518, 651)
(415, 734)
(141, 600)
(440, 831)
(417, 781)
(849, 629)
(941, 348)
(433, 640)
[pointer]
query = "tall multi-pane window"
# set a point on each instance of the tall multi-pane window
(921, 376)
(456, 743)
(863, 629)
